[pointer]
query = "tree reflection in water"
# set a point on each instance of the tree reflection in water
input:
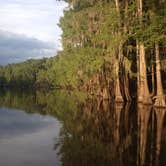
(107, 133)
(97, 132)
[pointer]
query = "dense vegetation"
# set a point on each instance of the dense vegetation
(110, 48)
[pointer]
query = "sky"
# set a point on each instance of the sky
(28, 29)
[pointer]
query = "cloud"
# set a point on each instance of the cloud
(37, 18)
(16, 48)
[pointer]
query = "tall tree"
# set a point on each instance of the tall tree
(142, 84)
(160, 97)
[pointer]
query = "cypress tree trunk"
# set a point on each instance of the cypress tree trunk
(153, 80)
(143, 90)
(105, 93)
(160, 98)
(126, 87)
(118, 94)
(117, 7)
(125, 73)
(139, 96)
(142, 82)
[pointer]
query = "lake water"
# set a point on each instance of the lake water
(27, 139)
(63, 128)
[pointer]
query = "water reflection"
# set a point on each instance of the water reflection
(26, 139)
(106, 133)
(144, 112)
(96, 132)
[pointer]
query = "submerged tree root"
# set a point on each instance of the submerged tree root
(119, 99)
(160, 101)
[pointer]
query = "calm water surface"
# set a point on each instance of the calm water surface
(27, 139)
(61, 128)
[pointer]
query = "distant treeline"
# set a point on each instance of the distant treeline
(62, 71)
(25, 74)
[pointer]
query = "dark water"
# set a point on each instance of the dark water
(64, 128)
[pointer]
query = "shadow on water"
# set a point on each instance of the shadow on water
(96, 132)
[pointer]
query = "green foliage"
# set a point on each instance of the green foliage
(93, 30)
(22, 74)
